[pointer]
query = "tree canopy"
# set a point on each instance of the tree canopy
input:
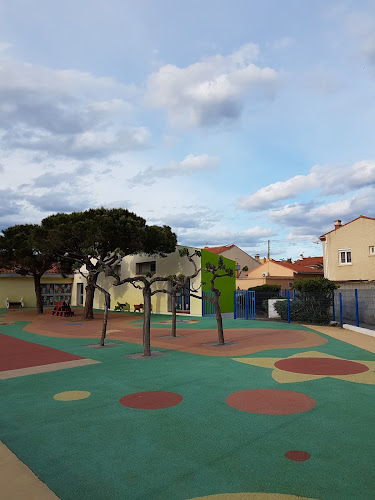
(97, 238)
(25, 249)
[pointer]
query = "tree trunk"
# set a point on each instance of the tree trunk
(38, 294)
(90, 291)
(219, 319)
(146, 321)
(107, 298)
(174, 318)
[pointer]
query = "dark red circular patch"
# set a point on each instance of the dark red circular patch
(297, 455)
(151, 400)
(320, 366)
(270, 401)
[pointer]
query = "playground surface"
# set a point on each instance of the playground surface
(280, 412)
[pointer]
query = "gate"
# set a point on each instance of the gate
(207, 307)
(244, 304)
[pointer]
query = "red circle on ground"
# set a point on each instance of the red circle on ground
(151, 400)
(297, 455)
(270, 401)
(320, 366)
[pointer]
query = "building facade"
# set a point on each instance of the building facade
(349, 252)
(133, 265)
(54, 288)
(273, 272)
(235, 253)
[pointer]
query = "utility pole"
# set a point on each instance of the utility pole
(268, 251)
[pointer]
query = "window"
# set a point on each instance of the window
(345, 256)
(371, 250)
(145, 267)
(54, 292)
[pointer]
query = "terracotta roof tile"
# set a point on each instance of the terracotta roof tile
(298, 268)
(55, 269)
(218, 250)
(310, 261)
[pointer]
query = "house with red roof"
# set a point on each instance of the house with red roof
(282, 273)
(235, 253)
(349, 253)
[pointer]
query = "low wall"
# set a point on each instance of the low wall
(272, 313)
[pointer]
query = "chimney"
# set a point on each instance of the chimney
(256, 257)
(337, 223)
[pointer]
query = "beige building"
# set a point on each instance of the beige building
(15, 287)
(273, 272)
(132, 265)
(349, 252)
(235, 253)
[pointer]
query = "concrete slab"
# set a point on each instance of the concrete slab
(18, 482)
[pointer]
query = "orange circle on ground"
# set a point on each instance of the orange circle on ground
(320, 366)
(297, 455)
(270, 401)
(151, 400)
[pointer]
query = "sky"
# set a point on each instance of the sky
(231, 121)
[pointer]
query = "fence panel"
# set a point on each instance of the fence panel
(207, 306)
(244, 304)
(358, 307)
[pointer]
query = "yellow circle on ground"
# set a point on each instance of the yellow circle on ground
(71, 395)
(251, 496)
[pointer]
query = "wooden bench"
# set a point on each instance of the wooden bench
(138, 307)
(122, 307)
(14, 304)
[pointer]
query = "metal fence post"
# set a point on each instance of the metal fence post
(246, 305)
(340, 297)
(356, 307)
(234, 304)
(288, 306)
(333, 307)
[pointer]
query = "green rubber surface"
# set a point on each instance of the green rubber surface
(95, 448)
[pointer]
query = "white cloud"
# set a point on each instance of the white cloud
(310, 218)
(248, 238)
(64, 112)
(329, 179)
(189, 165)
(209, 91)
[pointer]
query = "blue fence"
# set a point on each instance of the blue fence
(244, 304)
(288, 293)
(349, 305)
(207, 306)
(354, 307)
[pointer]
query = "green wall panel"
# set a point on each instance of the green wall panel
(226, 285)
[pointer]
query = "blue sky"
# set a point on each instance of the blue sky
(232, 122)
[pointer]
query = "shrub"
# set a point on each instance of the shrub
(265, 288)
(313, 301)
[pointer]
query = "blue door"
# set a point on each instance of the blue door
(244, 304)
